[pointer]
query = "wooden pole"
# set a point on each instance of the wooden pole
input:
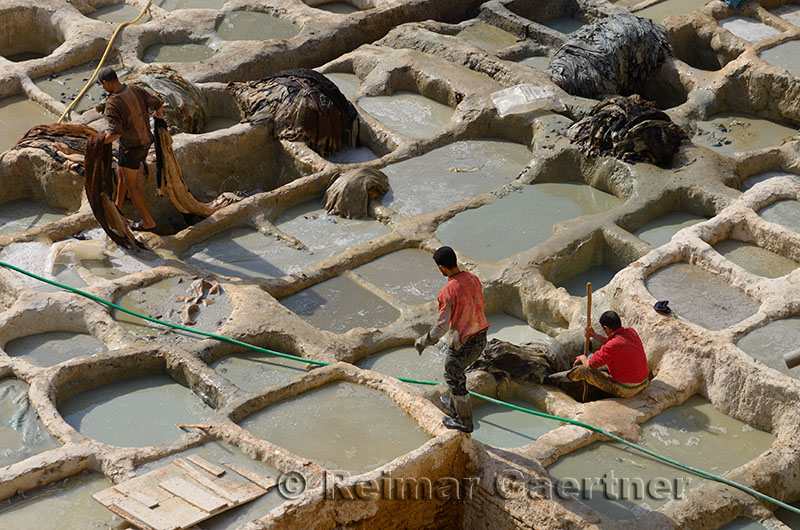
(588, 339)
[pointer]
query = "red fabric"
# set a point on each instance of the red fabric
(624, 355)
(461, 305)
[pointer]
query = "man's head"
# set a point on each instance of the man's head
(445, 259)
(108, 78)
(610, 320)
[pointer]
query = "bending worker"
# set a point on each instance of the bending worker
(462, 319)
(621, 352)
(128, 120)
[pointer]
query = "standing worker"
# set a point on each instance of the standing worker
(461, 318)
(128, 120)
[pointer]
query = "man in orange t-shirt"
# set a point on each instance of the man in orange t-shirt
(462, 320)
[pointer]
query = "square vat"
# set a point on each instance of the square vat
(405, 362)
(623, 483)
(540, 62)
(659, 231)
(22, 434)
(244, 252)
(409, 275)
(347, 83)
(755, 259)
(408, 113)
(701, 297)
(752, 180)
(511, 329)
(784, 55)
(339, 305)
(508, 428)
(49, 349)
(783, 212)
(487, 37)
(770, 342)
(522, 219)
(136, 412)
(254, 370)
(747, 28)
(452, 173)
(565, 25)
(730, 133)
(24, 214)
(340, 426)
(789, 12)
(658, 12)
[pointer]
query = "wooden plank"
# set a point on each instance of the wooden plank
(144, 499)
(147, 484)
(194, 495)
(206, 465)
(230, 490)
(264, 482)
(141, 515)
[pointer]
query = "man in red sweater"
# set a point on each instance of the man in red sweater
(621, 352)
(462, 320)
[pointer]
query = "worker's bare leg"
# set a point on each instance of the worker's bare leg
(130, 178)
(122, 190)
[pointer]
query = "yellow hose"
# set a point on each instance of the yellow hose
(103, 58)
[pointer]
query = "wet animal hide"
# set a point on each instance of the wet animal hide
(350, 192)
(528, 362)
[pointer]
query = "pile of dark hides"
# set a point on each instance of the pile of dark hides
(185, 105)
(630, 129)
(528, 362)
(303, 105)
(613, 56)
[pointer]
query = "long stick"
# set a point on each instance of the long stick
(588, 323)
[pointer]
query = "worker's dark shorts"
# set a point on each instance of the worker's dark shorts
(132, 157)
(458, 360)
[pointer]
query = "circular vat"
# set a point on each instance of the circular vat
(178, 52)
(117, 13)
(253, 25)
(17, 40)
(341, 7)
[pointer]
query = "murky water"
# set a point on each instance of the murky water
(339, 305)
(483, 233)
(173, 5)
(346, 83)
(160, 300)
(756, 259)
(338, 7)
(487, 37)
(339, 426)
(252, 25)
(327, 235)
(408, 113)
(24, 56)
(451, 173)
(661, 10)
(48, 349)
(32, 257)
(599, 275)
(751, 181)
(119, 13)
(789, 12)
(660, 231)
(770, 342)
(18, 114)
(508, 428)
(565, 25)
(693, 433)
(22, 433)
(743, 523)
(748, 29)
(540, 62)
(700, 297)
(353, 155)
(784, 212)
(64, 86)
(511, 329)
(730, 133)
(252, 370)
(791, 519)
(135, 412)
(784, 55)
(23, 214)
(65, 504)
(409, 275)
(216, 123)
(177, 53)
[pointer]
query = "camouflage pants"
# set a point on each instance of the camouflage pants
(604, 381)
(457, 361)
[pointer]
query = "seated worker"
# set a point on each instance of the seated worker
(621, 352)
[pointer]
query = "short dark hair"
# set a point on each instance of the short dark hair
(446, 257)
(107, 74)
(610, 319)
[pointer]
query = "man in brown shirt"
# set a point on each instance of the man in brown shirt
(126, 111)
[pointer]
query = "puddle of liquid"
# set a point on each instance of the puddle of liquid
(487, 37)
(483, 233)
(339, 426)
(346, 83)
(451, 173)
(216, 123)
(404, 361)
(159, 300)
(18, 114)
(565, 25)
(751, 181)
(784, 55)
(252, 25)
(662, 10)
(135, 412)
(511, 329)
(743, 523)
(353, 155)
(660, 231)
(177, 53)
(731, 133)
(599, 275)
(789, 12)
(540, 62)
(339, 305)
(48, 349)
(790, 519)
(747, 28)
(173, 5)
(769, 343)
(508, 428)
(117, 262)
(700, 297)
(755, 259)
(409, 275)
(408, 113)
(23, 214)
(22, 434)
(64, 86)
(66, 504)
(221, 452)
(119, 13)
(32, 256)
(327, 235)
(253, 370)
(785, 213)
(693, 433)
(338, 7)
(245, 253)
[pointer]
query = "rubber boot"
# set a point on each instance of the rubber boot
(447, 404)
(463, 407)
